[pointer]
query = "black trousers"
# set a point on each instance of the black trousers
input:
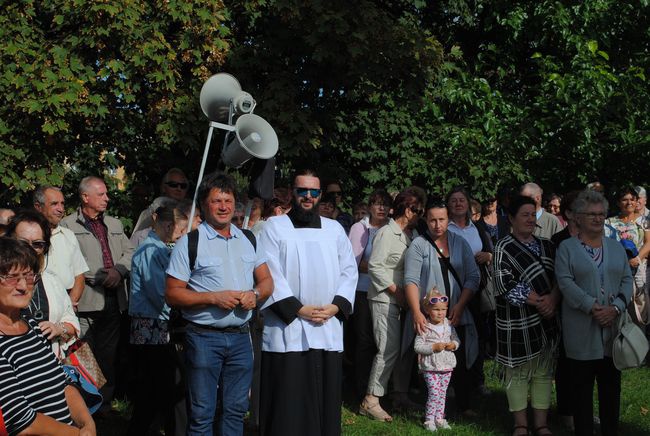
(364, 342)
(301, 393)
(156, 391)
(563, 384)
(102, 332)
(583, 374)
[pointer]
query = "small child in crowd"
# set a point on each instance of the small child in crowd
(436, 359)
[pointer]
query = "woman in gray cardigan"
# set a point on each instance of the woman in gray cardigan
(596, 284)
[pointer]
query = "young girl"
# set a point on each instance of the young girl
(436, 359)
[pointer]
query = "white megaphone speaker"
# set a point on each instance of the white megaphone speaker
(217, 94)
(254, 137)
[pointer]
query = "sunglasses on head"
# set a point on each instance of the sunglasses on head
(443, 299)
(303, 192)
(173, 185)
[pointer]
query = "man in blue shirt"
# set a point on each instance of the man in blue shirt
(217, 295)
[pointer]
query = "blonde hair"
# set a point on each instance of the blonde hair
(426, 301)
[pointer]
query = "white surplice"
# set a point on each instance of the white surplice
(314, 265)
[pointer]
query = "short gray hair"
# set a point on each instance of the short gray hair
(84, 185)
(39, 193)
(534, 188)
(586, 198)
(640, 190)
(171, 171)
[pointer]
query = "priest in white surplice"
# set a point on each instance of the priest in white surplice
(315, 276)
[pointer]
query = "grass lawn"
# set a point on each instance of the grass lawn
(493, 419)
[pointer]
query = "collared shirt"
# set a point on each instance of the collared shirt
(148, 265)
(98, 228)
(469, 233)
(222, 264)
(64, 258)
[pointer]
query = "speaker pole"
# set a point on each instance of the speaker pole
(196, 190)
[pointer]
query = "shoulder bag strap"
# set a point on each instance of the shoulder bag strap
(444, 259)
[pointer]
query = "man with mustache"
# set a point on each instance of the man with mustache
(64, 257)
(315, 277)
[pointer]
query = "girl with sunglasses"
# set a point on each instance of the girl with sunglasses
(50, 305)
(435, 347)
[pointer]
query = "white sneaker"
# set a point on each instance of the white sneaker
(442, 423)
(430, 425)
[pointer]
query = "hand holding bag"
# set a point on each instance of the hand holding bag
(630, 344)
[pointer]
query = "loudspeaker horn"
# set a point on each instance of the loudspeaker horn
(218, 92)
(254, 137)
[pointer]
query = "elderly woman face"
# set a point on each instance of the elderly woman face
(16, 288)
(524, 221)
(437, 221)
(458, 204)
(32, 234)
(592, 218)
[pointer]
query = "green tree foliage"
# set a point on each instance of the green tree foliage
(377, 93)
(98, 84)
(453, 92)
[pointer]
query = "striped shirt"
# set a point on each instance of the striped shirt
(31, 380)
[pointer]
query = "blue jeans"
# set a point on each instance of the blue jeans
(212, 356)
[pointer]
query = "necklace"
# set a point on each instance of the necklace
(35, 306)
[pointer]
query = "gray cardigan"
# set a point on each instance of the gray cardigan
(579, 281)
(422, 268)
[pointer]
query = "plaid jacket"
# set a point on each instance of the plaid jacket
(522, 333)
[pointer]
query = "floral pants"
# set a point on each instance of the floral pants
(437, 383)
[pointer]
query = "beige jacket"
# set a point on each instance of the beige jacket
(92, 299)
(386, 264)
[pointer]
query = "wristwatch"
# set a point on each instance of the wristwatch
(256, 292)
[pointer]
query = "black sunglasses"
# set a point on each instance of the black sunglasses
(415, 210)
(174, 185)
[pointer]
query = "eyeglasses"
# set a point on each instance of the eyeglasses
(13, 279)
(416, 211)
(312, 192)
(174, 185)
(594, 215)
(434, 300)
(36, 245)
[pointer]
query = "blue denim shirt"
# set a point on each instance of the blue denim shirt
(148, 265)
(222, 264)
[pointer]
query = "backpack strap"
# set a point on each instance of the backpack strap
(193, 244)
(192, 247)
(251, 237)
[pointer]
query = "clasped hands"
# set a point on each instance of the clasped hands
(545, 304)
(441, 346)
(228, 300)
(318, 314)
(604, 315)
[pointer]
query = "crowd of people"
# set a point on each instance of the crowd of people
(273, 308)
